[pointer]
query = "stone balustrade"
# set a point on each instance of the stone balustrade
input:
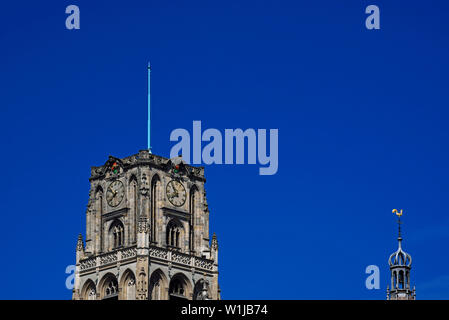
(154, 252)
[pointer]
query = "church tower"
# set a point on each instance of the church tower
(147, 233)
(400, 264)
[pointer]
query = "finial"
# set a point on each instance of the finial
(80, 243)
(214, 242)
(399, 214)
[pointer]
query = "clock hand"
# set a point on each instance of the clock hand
(174, 190)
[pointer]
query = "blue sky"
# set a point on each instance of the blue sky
(362, 118)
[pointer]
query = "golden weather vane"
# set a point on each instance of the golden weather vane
(398, 213)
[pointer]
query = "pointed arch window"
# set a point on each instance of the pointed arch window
(97, 224)
(89, 292)
(100, 202)
(117, 235)
(111, 289)
(401, 279)
(173, 234)
(128, 286)
(134, 206)
(192, 206)
(155, 184)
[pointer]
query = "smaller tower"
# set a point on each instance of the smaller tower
(400, 264)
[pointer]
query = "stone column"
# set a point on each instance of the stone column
(142, 259)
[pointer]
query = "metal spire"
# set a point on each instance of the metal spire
(399, 214)
(400, 264)
(149, 108)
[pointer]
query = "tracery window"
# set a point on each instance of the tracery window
(117, 234)
(173, 235)
(92, 295)
(111, 289)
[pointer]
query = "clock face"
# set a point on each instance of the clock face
(176, 193)
(115, 193)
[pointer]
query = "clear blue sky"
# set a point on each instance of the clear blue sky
(362, 118)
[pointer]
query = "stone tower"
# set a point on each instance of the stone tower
(147, 233)
(400, 265)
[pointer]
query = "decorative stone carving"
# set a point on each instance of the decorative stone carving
(144, 154)
(108, 258)
(87, 264)
(180, 258)
(143, 226)
(204, 263)
(142, 287)
(214, 242)
(158, 253)
(144, 185)
(130, 160)
(80, 243)
(203, 293)
(97, 171)
(129, 253)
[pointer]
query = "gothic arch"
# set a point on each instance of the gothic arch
(116, 235)
(98, 189)
(97, 226)
(401, 283)
(174, 234)
(89, 291)
(193, 203)
(132, 177)
(194, 188)
(128, 286)
(180, 287)
(133, 197)
(155, 196)
(158, 286)
(99, 197)
(108, 287)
